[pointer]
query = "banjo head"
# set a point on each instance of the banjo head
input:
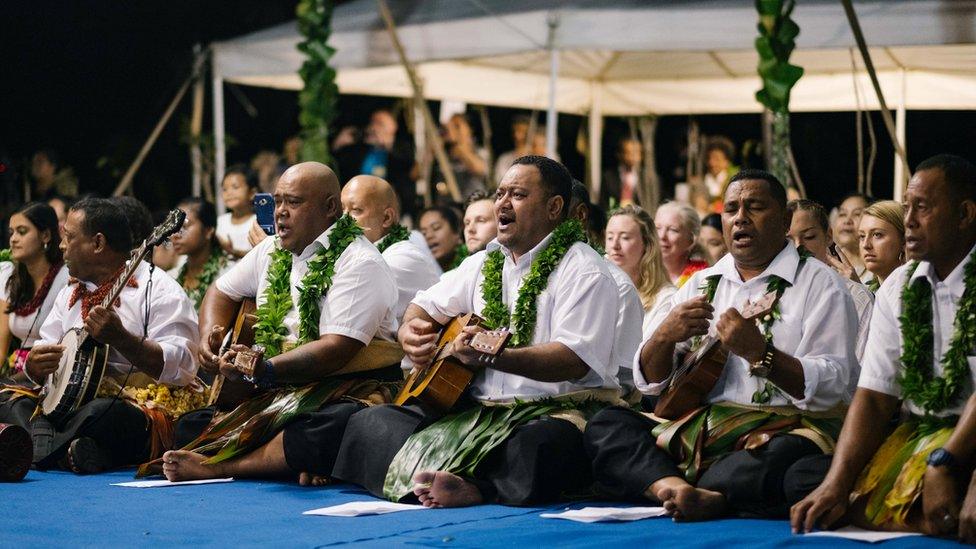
(58, 382)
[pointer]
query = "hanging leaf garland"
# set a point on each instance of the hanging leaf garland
(317, 99)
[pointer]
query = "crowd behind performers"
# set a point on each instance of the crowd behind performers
(869, 248)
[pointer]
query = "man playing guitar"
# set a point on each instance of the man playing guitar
(150, 330)
(780, 395)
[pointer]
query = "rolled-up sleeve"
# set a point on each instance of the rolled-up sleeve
(826, 350)
(362, 295)
(584, 320)
(658, 314)
(453, 294)
(242, 280)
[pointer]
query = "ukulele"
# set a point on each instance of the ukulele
(702, 366)
(439, 384)
(225, 394)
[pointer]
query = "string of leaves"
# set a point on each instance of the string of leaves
(522, 320)
(214, 264)
(5, 255)
(270, 330)
(317, 99)
(398, 233)
(918, 382)
(460, 254)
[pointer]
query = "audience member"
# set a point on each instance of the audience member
(711, 239)
(881, 234)
(267, 166)
(480, 226)
(677, 229)
(50, 178)
(621, 184)
(202, 260)
(719, 153)
(525, 144)
(238, 189)
(468, 161)
(139, 217)
(442, 231)
(845, 231)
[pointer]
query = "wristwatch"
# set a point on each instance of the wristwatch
(940, 457)
(267, 378)
(765, 365)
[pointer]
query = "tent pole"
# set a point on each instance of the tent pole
(596, 145)
(196, 126)
(901, 175)
(552, 117)
(220, 145)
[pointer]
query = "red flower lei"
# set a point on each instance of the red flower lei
(41, 294)
(94, 298)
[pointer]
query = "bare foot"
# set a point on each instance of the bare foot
(183, 465)
(687, 503)
(442, 489)
(309, 479)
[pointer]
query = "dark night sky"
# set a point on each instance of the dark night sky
(90, 78)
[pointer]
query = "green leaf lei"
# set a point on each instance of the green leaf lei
(777, 284)
(874, 285)
(934, 394)
(398, 233)
(211, 269)
(460, 254)
(270, 330)
(5, 255)
(495, 312)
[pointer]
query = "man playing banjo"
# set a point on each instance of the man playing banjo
(781, 390)
(325, 318)
(151, 330)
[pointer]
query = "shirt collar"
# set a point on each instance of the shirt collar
(956, 281)
(321, 242)
(528, 256)
(784, 265)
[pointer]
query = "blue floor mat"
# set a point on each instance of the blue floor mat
(62, 509)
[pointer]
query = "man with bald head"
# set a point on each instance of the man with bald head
(372, 202)
(323, 293)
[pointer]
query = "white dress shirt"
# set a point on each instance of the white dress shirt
(359, 304)
(27, 328)
(627, 332)
(236, 233)
(882, 359)
(662, 299)
(577, 309)
(172, 323)
(863, 304)
(418, 240)
(413, 268)
(817, 321)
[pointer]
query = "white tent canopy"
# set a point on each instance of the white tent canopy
(625, 57)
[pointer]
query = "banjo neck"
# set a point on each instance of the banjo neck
(134, 261)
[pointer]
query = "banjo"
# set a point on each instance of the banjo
(82, 364)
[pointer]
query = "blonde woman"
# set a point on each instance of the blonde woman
(631, 244)
(677, 230)
(881, 237)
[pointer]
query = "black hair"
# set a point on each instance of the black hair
(206, 213)
(554, 176)
(106, 216)
(448, 213)
(721, 143)
(20, 286)
(776, 188)
(596, 220)
(713, 220)
(815, 208)
(959, 174)
(579, 193)
(138, 215)
(250, 177)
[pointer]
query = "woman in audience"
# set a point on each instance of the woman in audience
(442, 231)
(31, 276)
(238, 189)
(881, 233)
(845, 231)
(677, 229)
(711, 239)
(202, 259)
(631, 244)
(810, 229)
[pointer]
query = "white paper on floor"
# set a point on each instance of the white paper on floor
(359, 508)
(860, 534)
(166, 483)
(606, 514)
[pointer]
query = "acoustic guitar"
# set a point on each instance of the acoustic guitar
(702, 366)
(225, 394)
(441, 383)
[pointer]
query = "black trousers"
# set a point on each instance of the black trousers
(119, 428)
(756, 483)
(539, 462)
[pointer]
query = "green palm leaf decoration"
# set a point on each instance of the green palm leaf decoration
(317, 100)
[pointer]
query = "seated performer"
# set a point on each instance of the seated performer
(151, 331)
(480, 226)
(323, 293)
(540, 279)
(919, 352)
(782, 388)
(372, 202)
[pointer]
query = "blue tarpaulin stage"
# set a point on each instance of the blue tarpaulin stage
(66, 510)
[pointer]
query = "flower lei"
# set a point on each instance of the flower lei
(398, 233)
(934, 394)
(495, 312)
(208, 273)
(776, 284)
(460, 254)
(270, 330)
